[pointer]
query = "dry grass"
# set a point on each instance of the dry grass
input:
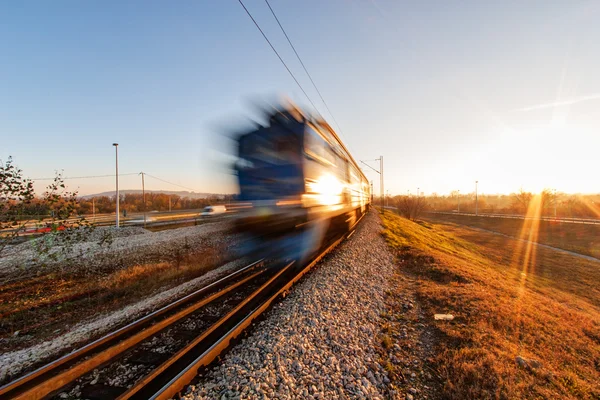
(509, 299)
(579, 238)
(42, 306)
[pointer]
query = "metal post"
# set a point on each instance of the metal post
(476, 203)
(380, 172)
(117, 180)
(144, 197)
(381, 180)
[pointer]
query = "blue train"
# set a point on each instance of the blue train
(297, 182)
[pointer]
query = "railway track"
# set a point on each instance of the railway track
(156, 356)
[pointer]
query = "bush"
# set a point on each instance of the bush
(411, 207)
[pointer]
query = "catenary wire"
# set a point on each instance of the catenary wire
(304, 67)
(280, 59)
(170, 183)
(82, 177)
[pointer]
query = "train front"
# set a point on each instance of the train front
(271, 183)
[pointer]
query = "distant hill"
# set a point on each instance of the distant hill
(183, 193)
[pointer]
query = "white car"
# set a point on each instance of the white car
(210, 211)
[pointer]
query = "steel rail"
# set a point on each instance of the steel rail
(148, 380)
(59, 373)
(183, 378)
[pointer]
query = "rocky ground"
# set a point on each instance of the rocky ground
(14, 362)
(326, 339)
(109, 248)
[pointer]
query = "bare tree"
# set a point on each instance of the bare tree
(411, 207)
(522, 200)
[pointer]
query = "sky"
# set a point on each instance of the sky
(505, 93)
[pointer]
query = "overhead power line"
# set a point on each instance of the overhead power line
(280, 59)
(82, 177)
(170, 183)
(304, 67)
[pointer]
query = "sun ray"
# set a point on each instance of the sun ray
(524, 257)
(593, 207)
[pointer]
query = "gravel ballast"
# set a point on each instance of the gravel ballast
(322, 340)
(13, 363)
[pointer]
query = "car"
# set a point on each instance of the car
(210, 211)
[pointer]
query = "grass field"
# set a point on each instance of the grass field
(527, 318)
(579, 238)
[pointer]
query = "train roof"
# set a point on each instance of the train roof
(291, 111)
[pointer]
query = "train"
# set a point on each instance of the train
(297, 183)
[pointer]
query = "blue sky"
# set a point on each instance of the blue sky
(448, 92)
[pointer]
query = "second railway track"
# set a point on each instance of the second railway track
(159, 354)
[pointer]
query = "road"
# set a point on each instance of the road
(152, 218)
(588, 221)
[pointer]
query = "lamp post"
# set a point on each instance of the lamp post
(476, 182)
(117, 180)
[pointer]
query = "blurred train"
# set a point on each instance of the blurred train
(297, 183)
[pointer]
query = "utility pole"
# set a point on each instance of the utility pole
(554, 203)
(381, 180)
(458, 199)
(380, 172)
(117, 180)
(144, 197)
(476, 182)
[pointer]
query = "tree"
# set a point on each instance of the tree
(411, 207)
(51, 214)
(16, 193)
(522, 200)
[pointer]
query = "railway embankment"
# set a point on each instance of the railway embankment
(496, 317)
(325, 339)
(55, 309)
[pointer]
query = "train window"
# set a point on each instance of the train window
(258, 150)
(316, 147)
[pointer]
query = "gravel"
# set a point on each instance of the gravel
(124, 247)
(322, 340)
(13, 363)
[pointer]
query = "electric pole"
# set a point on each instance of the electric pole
(144, 197)
(554, 203)
(117, 181)
(476, 182)
(380, 172)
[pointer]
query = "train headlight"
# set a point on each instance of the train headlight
(326, 190)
